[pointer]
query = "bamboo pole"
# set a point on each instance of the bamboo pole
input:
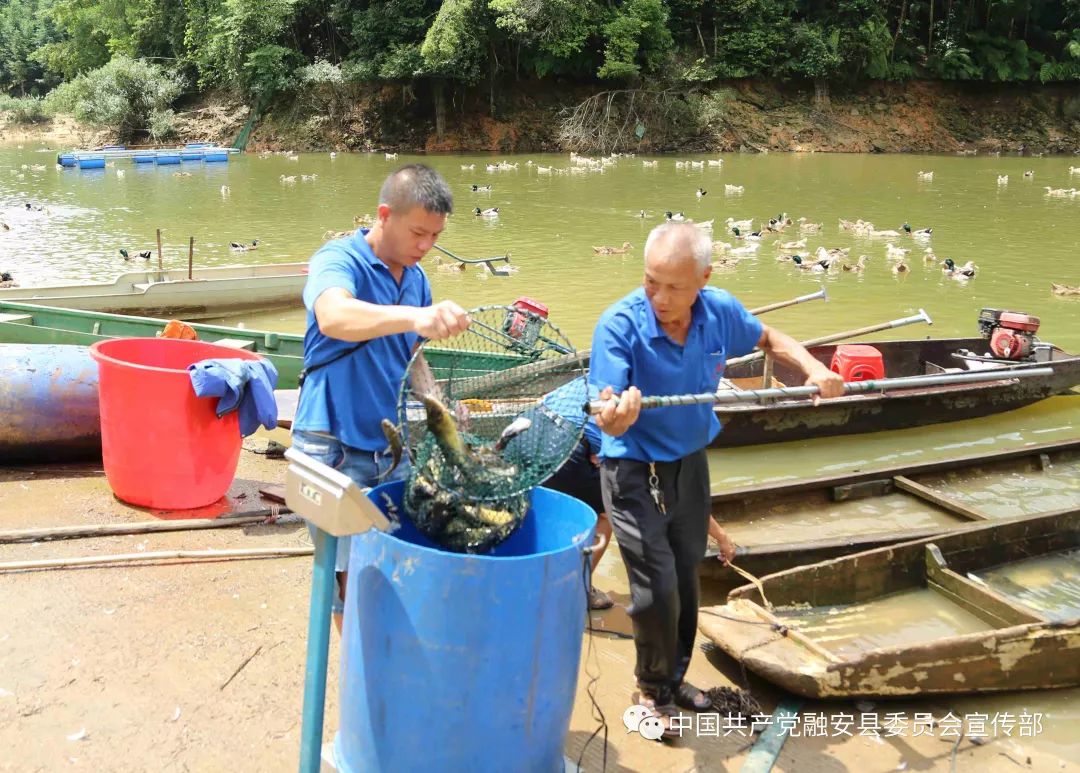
(141, 527)
(190, 255)
(64, 563)
(160, 262)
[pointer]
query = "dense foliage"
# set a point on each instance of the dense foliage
(261, 47)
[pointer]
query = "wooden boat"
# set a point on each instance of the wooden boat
(211, 292)
(789, 524)
(997, 608)
(32, 324)
(48, 404)
(799, 419)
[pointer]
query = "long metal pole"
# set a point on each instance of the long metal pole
(323, 581)
(850, 388)
(922, 316)
(784, 304)
(470, 260)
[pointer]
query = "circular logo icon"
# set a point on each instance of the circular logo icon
(632, 717)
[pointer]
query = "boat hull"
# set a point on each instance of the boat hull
(1021, 648)
(26, 323)
(800, 420)
(48, 404)
(211, 292)
(852, 513)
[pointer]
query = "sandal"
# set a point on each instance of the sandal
(689, 697)
(599, 600)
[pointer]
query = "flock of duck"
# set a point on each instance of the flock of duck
(746, 242)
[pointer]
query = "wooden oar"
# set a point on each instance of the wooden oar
(850, 387)
(922, 316)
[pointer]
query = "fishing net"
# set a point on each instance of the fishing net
(506, 412)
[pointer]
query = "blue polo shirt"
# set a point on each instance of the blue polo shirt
(350, 397)
(629, 348)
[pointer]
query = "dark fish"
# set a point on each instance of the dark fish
(397, 447)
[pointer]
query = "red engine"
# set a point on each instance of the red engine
(524, 324)
(1011, 333)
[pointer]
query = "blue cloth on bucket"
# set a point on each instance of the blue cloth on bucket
(246, 386)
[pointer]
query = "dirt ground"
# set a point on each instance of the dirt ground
(198, 665)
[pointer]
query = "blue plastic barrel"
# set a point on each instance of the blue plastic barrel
(48, 403)
(215, 156)
(66, 159)
(191, 155)
(115, 147)
(196, 145)
(144, 156)
(459, 662)
(167, 158)
(91, 162)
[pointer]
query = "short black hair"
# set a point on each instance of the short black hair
(417, 185)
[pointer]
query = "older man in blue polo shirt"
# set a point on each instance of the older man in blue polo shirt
(368, 304)
(671, 336)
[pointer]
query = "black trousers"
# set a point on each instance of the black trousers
(662, 551)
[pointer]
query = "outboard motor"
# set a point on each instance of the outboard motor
(524, 323)
(1011, 333)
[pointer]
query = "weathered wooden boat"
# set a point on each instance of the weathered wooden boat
(211, 292)
(987, 609)
(48, 404)
(800, 419)
(783, 525)
(33, 324)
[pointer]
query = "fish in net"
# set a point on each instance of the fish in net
(491, 428)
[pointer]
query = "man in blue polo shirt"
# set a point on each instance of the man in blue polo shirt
(368, 304)
(671, 336)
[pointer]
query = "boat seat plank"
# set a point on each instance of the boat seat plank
(975, 598)
(923, 492)
(19, 319)
(861, 490)
(236, 343)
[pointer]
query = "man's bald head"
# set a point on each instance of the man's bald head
(677, 242)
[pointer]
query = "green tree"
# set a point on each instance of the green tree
(637, 39)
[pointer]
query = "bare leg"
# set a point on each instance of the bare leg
(603, 528)
(597, 598)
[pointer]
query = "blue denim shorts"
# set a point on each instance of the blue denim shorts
(363, 467)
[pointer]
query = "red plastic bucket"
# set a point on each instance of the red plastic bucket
(162, 446)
